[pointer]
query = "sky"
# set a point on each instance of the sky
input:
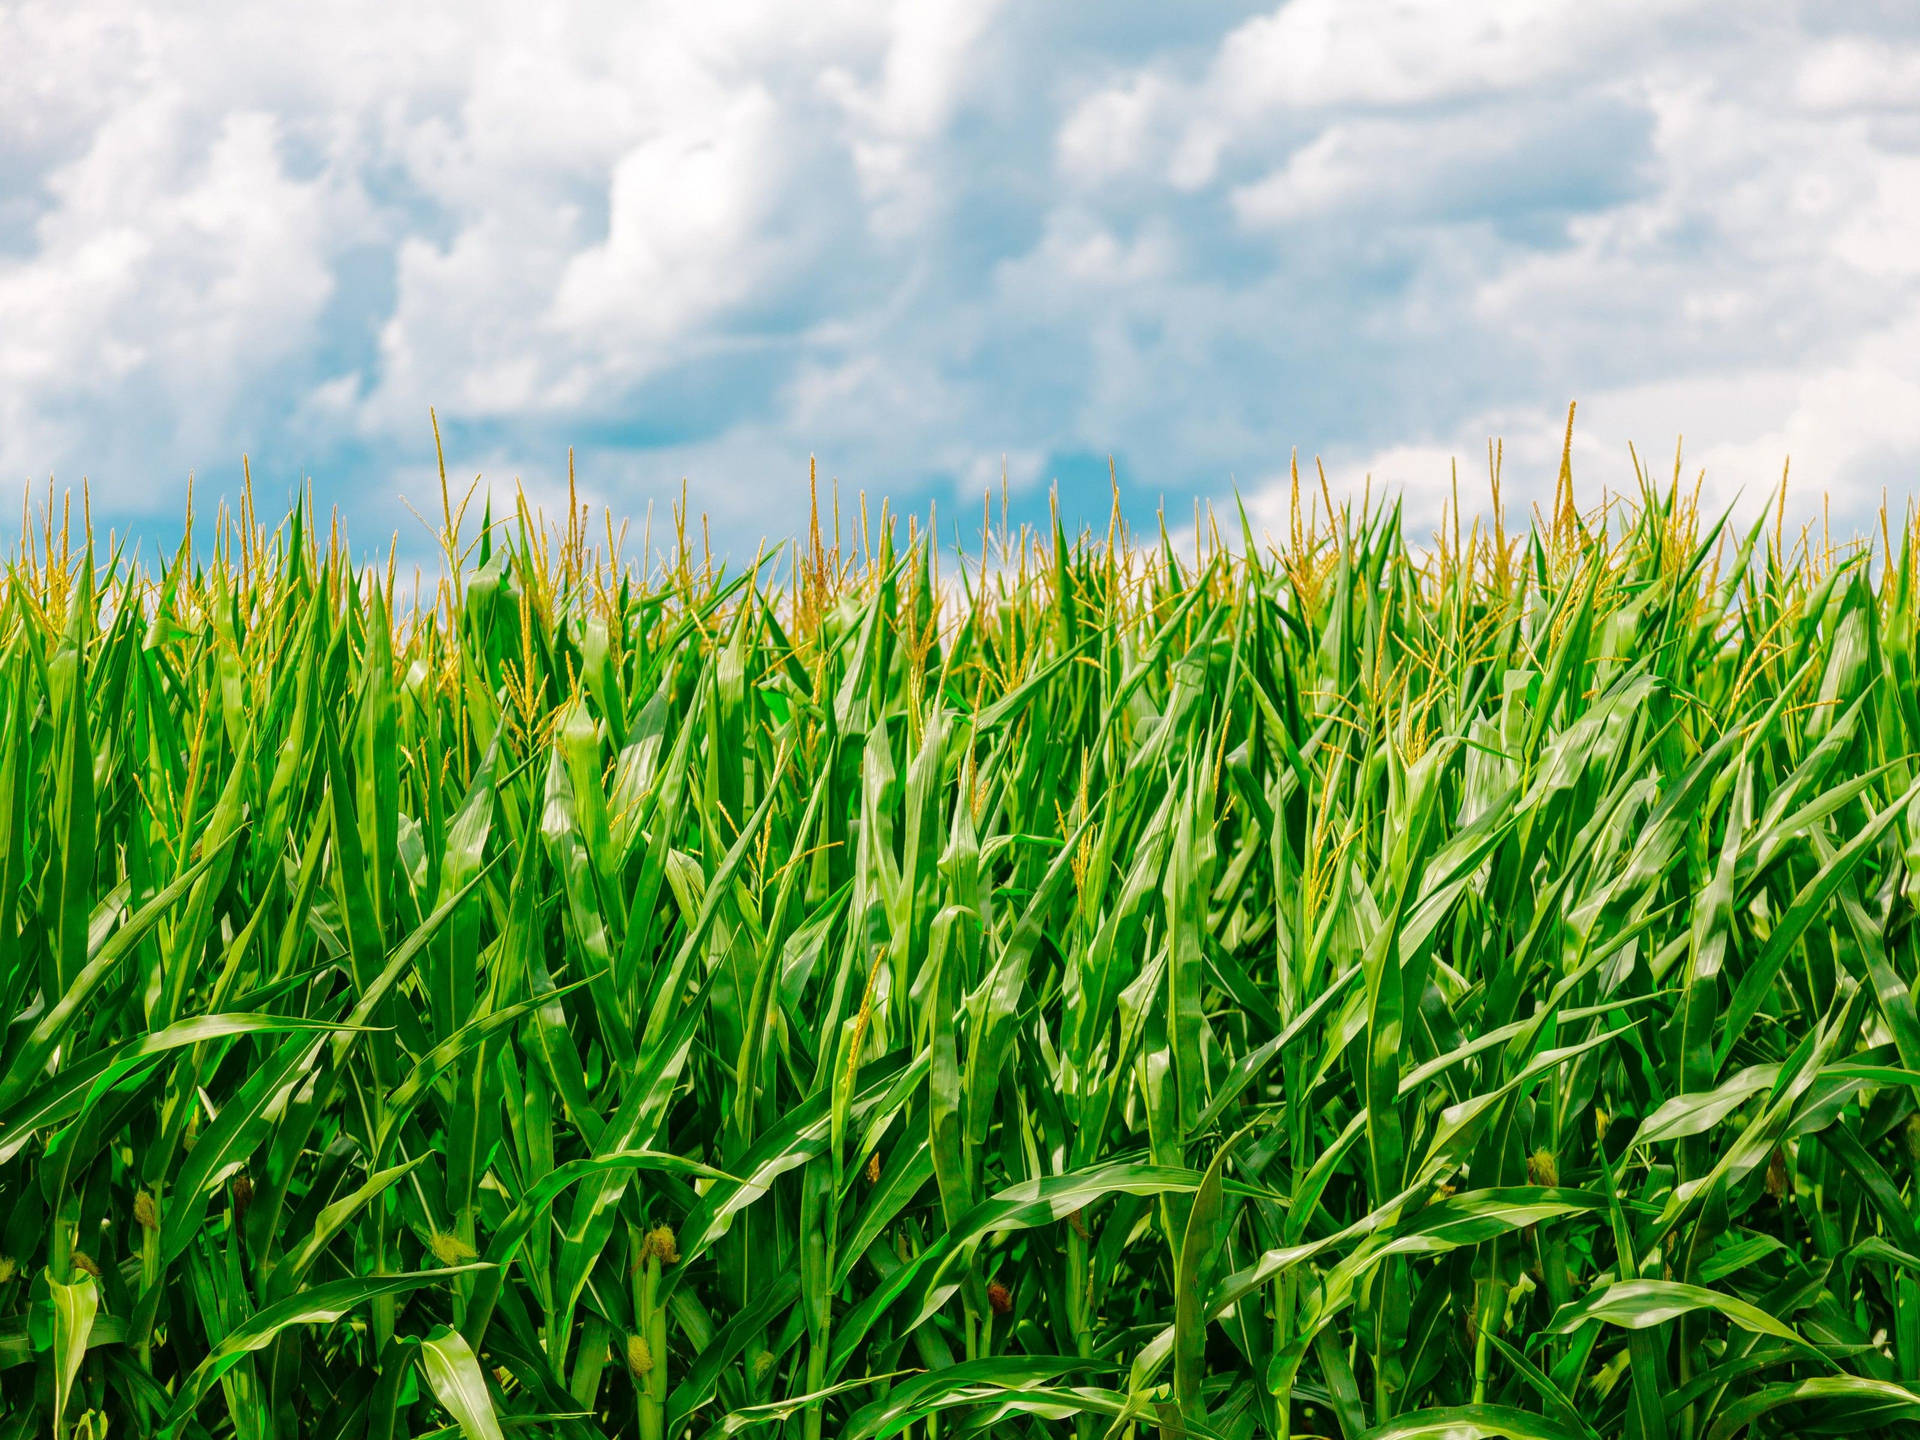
(939, 244)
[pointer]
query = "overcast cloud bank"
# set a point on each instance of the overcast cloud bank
(929, 240)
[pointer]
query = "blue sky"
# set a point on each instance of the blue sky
(934, 242)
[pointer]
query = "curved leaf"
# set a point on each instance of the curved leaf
(322, 1305)
(457, 1383)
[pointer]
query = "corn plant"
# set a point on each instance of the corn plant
(1361, 984)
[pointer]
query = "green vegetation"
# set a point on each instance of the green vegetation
(1358, 986)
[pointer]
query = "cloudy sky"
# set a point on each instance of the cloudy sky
(930, 239)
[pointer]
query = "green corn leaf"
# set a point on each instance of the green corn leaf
(458, 1385)
(1643, 1304)
(320, 1305)
(1472, 1422)
(74, 1308)
(28, 1063)
(1841, 1400)
(959, 1384)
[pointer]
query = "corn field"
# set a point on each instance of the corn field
(1363, 984)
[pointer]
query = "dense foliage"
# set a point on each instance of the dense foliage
(1352, 986)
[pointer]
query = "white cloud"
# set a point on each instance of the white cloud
(166, 275)
(1113, 131)
(1555, 158)
(1853, 73)
(897, 113)
(1078, 250)
(1317, 53)
(686, 209)
(1313, 56)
